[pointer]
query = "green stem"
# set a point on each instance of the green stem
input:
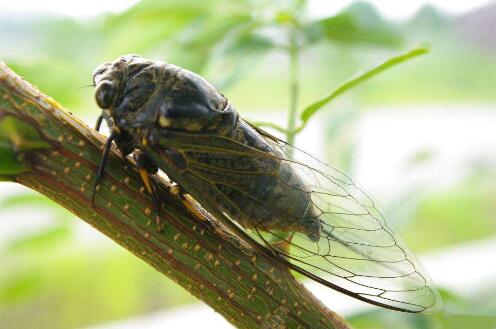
(293, 51)
(52, 152)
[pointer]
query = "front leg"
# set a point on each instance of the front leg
(147, 167)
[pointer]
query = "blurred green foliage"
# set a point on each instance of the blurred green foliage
(49, 279)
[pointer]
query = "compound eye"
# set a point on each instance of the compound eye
(104, 94)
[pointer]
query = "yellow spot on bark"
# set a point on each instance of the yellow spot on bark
(127, 180)
(67, 170)
(142, 189)
(185, 245)
(169, 252)
(237, 262)
(113, 188)
(231, 295)
(60, 138)
(259, 318)
(81, 143)
(177, 236)
(77, 164)
(197, 248)
(254, 277)
(126, 207)
(147, 235)
(147, 211)
(88, 177)
(254, 259)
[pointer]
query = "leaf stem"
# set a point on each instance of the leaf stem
(294, 52)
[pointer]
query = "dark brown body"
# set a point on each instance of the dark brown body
(195, 136)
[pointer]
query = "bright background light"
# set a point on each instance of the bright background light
(393, 9)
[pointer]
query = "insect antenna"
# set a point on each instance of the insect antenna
(86, 86)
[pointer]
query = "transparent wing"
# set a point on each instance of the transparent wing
(356, 250)
(341, 240)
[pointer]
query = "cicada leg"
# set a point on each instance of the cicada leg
(147, 167)
(100, 119)
(187, 201)
(193, 207)
(103, 162)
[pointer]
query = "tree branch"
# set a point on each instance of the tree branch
(46, 148)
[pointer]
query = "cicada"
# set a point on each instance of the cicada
(264, 189)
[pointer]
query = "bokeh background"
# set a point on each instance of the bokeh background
(420, 138)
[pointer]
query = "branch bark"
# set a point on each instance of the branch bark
(47, 149)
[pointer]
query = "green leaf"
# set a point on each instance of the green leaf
(358, 24)
(18, 287)
(241, 51)
(19, 134)
(40, 241)
(359, 78)
(16, 136)
(9, 165)
(30, 200)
